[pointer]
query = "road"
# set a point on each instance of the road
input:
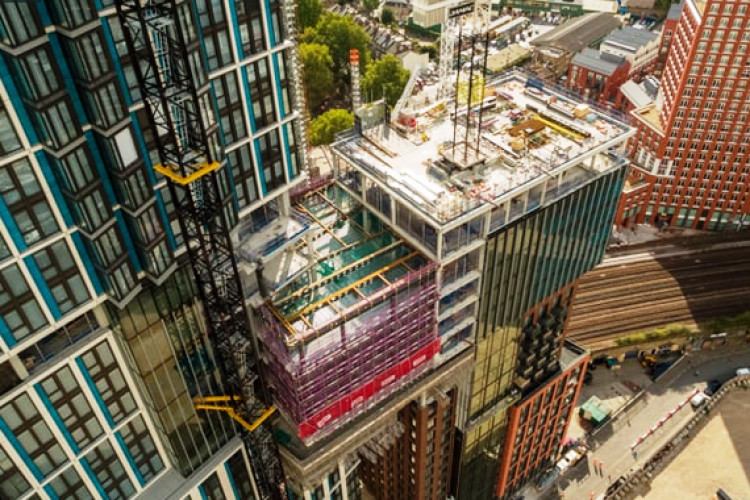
(611, 445)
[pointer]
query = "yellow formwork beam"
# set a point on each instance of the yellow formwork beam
(199, 170)
(560, 128)
(201, 404)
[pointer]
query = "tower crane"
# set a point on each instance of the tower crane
(159, 40)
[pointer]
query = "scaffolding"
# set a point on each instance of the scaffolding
(359, 318)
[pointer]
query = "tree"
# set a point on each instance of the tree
(309, 13)
(430, 49)
(326, 126)
(387, 17)
(317, 63)
(340, 34)
(370, 5)
(385, 76)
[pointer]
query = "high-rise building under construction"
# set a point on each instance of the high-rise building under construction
(408, 311)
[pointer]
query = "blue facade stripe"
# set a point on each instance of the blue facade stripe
(67, 77)
(87, 262)
(248, 99)
(202, 492)
(285, 138)
(167, 226)
(99, 164)
(41, 284)
(10, 223)
(94, 479)
(54, 188)
(231, 481)
(49, 491)
(129, 246)
(20, 450)
(236, 26)
(261, 175)
(279, 95)
(95, 391)
(129, 458)
(17, 103)
(6, 334)
(56, 417)
(43, 14)
(271, 31)
(115, 58)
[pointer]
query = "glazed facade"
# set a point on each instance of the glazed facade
(530, 271)
(102, 338)
(692, 149)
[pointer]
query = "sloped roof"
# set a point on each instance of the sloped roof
(635, 94)
(602, 63)
(578, 33)
(675, 10)
(629, 39)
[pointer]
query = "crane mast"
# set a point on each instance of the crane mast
(190, 157)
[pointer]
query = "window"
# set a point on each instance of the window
(109, 381)
(56, 125)
(19, 23)
(75, 170)
(36, 77)
(108, 469)
(250, 22)
(34, 436)
(27, 203)
(230, 107)
(213, 26)
(285, 74)
(73, 13)
(69, 485)
(104, 106)
(18, 307)
(261, 93)
(243, 172)
(211, 488)
(142, 449)
(12, 482)
(87, 53)
(71, 405)
(292, 131)
(271, 161)
(62, 276)
(8, 138)
(91, 211)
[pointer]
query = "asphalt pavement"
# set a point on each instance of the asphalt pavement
(611, 446)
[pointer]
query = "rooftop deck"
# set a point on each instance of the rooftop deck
(526, 135)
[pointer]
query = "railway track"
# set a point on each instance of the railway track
(637, 291)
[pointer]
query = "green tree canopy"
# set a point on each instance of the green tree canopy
(370, 5)
(387, 17)
(318, 66)
(385, 76)
(340, 34)
(309, 13)
(326, 126)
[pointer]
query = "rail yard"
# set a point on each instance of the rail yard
(638, 289)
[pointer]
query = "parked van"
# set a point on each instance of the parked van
(743, 371)
(698, 399)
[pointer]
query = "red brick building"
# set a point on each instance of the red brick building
(537, 425)
(419, 464)
(597, 75)
(667, 32)
(691, 153)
